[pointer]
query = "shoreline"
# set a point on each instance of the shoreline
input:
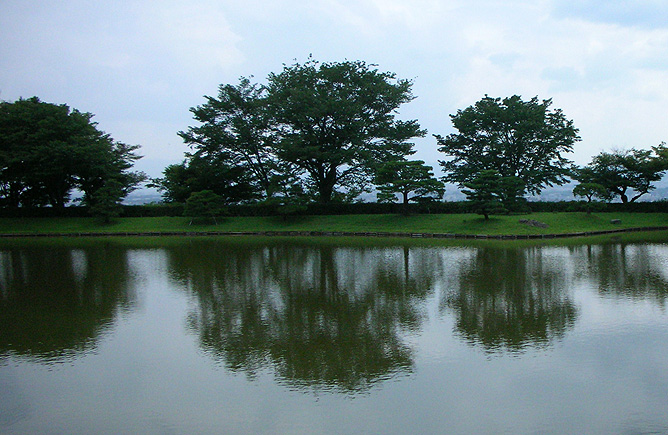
(412, 235)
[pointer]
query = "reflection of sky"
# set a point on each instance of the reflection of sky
(14, 405)
(79, 264)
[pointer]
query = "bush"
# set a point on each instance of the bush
(204, 205)
(153, 210)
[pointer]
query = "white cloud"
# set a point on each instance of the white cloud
(193, 37)
(416, 14)
(636, 13)
(140, 65)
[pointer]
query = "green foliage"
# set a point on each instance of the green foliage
(621, 172)
(406, 177)
(512, 194)
(107, 204)
(236, 129)
(334, 121)
(591, 191)
(215, 172)
(47, 150)
(286, 211)
(315, 129)
(485, 192)
(204, 205)
(109, 172)
(516, 138)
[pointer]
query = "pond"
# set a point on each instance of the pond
(328, 336)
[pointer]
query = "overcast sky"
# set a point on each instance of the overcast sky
(140, 65)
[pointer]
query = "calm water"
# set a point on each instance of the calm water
(184, 336)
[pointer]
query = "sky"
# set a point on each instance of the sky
(140, 65)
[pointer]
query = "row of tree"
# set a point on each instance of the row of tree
(506, 148)
(316, 131)
(321, 132)
(328, 132)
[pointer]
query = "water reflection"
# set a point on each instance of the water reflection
(331, 317)
(510, 299)
(320, 316)
(624, 270)
(55, 301)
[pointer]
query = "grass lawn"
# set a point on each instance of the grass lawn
(437, 223)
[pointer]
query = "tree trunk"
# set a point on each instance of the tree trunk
(325, 193)
(405, 203)
(326, 186)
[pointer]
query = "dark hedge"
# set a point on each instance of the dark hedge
(157, 210)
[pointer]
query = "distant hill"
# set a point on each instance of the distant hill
(452, 193)
(565, 193)
(143, 196)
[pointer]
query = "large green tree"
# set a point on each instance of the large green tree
(48, 150)
(236, 125)
(336, 121)
(627, 174)
(521, 140)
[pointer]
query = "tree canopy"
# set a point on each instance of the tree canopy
(621, 172)
(335, 121)
(519, 139)
(48, 150)
(236, 130)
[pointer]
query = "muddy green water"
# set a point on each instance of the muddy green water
(212, 336)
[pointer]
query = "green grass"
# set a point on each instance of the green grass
(558, 223)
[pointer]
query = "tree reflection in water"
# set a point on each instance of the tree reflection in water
(56, 300)
(507, 300)
(624, 270)
(322, 317)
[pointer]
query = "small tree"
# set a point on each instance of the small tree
(217, 173)
(202, 205)
(512, 193)
(405, 178)
(591, 191)
(107, 203)
(485, 192)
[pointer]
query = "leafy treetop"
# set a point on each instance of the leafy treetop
(516, 138)
(47, 150)
(335, 121)
(622, 172)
